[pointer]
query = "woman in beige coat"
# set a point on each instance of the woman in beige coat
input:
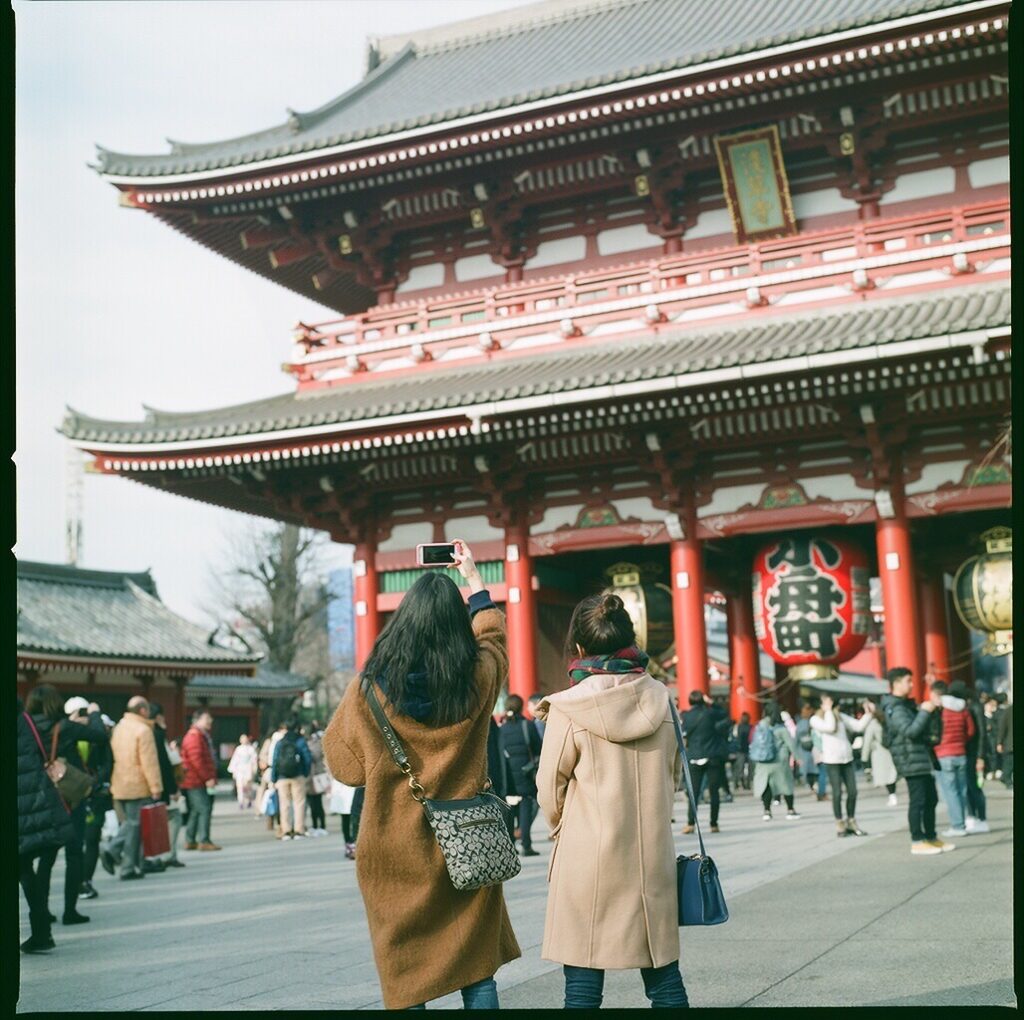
(437, 676)
(606, 781)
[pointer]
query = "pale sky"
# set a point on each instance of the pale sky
(116, 309)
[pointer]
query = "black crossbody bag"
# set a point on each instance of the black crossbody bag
(473, 834)
(698, 890)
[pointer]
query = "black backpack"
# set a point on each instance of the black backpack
(289, 761)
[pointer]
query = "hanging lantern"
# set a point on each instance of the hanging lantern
(983, 591)
(812, 603)
(649, 604)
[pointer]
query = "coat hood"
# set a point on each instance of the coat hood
(617, 707)
(953, 704)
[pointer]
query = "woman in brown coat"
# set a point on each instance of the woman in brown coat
(438, 676)
(607, 779)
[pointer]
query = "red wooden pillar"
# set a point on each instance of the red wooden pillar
(899, 597)
(931, 594)
(687, 561)
(254, 719)
(744, 667)
(364, 572)
(520, 610)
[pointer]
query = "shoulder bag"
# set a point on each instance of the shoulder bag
(698, 890)
(528, 770)
(72, 783)
(473, 834)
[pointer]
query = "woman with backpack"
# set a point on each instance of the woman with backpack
(435, 673)
(608, 773)
(876, 753)
(837, 756)
(770, 749)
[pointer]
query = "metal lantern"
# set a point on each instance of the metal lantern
(983, 591)
(649, 604)
(812, 603)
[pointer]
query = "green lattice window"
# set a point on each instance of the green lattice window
(402, 580)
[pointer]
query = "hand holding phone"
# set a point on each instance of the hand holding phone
(463, 562)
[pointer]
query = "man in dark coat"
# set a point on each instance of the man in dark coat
(706, 728)
(1004, 744)
(44, 826)
(171, 797)
(47, 708)
(976, 751)
(520, 746)
(910, 735)
(99, 763)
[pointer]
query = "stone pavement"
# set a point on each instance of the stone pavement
(815, 921)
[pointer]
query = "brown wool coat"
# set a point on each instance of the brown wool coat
(606, 782)
(429, 938)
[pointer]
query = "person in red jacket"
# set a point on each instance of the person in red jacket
(957, 730)
(200, 779)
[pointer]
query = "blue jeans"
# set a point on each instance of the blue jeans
(584, 987)
(479, 995)
(822, 779)
(953, 783)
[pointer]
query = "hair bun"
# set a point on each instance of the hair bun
(611, 604)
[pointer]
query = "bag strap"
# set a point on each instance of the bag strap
(394, 745)
(35, 733)
(686, 772)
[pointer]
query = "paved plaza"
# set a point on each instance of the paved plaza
(815, 920)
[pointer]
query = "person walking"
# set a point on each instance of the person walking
(288, 771)
(771, 745)
(976, 820)
(342, 802)
(1004, 744)
(99, 763)
(804, 738)
(264, 759)
(199, 781)
(910, 731)
(741, 763)
(136, 781)
(171, 795)
(319, 780)
(874, 752)
(520, 747)
(608, 774)
(705, 726)
(834, 728)
(61, 726)
(242, 768)
(437, 671)
(951, 751)
(44, 826)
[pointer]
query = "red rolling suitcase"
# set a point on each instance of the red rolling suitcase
(156, 836)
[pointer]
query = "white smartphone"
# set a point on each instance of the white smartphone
(435, 554)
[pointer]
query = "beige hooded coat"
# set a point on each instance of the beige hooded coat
(606, 782)
(136, 772)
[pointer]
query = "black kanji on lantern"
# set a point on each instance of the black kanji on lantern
(803, 601)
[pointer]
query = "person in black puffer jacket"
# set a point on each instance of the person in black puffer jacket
(46, 706)
(520, 746)
(911, 733)
(44, 826)
(706, 727)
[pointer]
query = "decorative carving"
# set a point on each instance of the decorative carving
(779, 497)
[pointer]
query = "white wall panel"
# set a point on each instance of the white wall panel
(629, 238)
(924, 183)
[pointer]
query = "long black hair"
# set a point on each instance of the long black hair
(430, 633)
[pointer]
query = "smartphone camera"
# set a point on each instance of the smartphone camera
(435, 554)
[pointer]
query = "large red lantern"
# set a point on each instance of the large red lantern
(812, 603)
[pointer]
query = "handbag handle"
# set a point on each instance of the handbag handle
(686, 772)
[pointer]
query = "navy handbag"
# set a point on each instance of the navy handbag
(698, 889)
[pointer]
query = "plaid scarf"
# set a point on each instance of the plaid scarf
(625, 660)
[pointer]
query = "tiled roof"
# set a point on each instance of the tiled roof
(66, 611)
(538, 56)
(579, 366)
(266, 683)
